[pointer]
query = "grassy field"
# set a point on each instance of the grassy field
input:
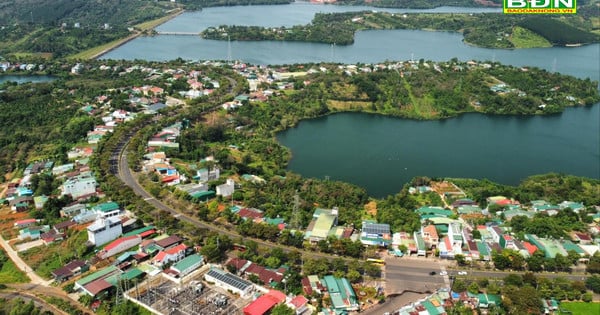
(9, 273)
(580, 308)
(524, 38)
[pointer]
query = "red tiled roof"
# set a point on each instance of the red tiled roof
(299, 301)
(306, 286)
(170, 178)
(119, 241)
(583, 237)
(176, 249)
(237, 263)
(265, 275)
(97, 286)
(264, 303)
(147, 233)
(250, 213)
(160, 256)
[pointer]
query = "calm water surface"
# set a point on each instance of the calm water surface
(26, 78)
(382, 153)
(369, 46)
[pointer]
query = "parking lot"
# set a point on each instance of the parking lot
(194, 297)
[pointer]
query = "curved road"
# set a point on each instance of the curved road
(124, 173)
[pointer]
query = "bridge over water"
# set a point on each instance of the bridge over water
(178, 33)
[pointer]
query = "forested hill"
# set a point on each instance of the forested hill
(98, 12)
(85, 12)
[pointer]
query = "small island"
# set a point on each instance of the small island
(489, 30)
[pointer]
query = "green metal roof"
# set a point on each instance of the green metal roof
(188, 262)
(96, 275)
(139, 231)
(568, 245)
(107, 206)
(435, 210)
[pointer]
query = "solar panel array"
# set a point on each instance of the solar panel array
(229, 279)
(376, 228)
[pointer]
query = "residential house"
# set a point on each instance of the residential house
(377, 234)
(33, 232)
(20, 224)
(253, 214)
(39, 201)
(226, 189)
(430, 236)
(171, 254)
(72, 210)
(168, 242)
(204, 175)
(79, 186)
(342, 295)
(312, 284)
(105, 230)
(72, 269)
(263, 304)
(299, 304)
(187, 265)
(107, 209)
(119, 245)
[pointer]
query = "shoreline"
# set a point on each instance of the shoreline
(151, 26)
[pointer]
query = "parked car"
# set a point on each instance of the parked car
(443, 273)
(462, 273)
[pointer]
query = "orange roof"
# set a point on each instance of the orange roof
(530, 247)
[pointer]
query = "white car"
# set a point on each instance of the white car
(462, 273)
(443, 273)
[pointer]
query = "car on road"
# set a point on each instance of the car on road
(432, 273)
(443, 273)
(462, 273)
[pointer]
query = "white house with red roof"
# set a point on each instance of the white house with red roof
(299, 304)
(119, 245)
(172, 254)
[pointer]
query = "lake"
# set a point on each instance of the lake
(26, 78)
(369, 46)
(383, 153)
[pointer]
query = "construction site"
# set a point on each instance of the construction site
(192, 297)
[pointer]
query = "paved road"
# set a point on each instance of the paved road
(413, 275)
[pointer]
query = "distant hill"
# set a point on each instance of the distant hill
(85, 12)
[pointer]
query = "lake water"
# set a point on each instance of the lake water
(369, 46)
(382, 153)
(26, 78)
